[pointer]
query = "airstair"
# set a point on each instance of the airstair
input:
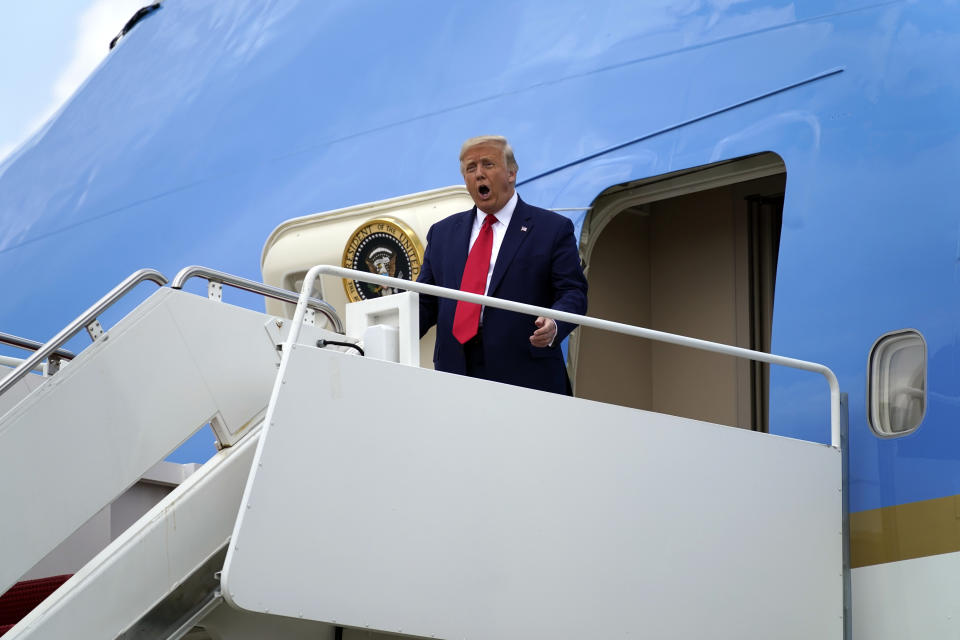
(353, 496)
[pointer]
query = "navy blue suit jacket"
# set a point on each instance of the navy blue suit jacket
(538, 264)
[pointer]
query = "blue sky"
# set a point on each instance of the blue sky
(47, 49)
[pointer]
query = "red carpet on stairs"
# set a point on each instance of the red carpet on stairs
(23, 597)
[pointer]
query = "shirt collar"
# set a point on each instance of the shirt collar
(504, 214)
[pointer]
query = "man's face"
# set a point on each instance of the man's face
(487, 177)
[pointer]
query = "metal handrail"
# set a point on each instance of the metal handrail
(82, 321)
(585, 321)
(31, 345)
(212, 275)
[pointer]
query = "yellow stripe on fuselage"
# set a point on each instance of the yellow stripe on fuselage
(904, 531)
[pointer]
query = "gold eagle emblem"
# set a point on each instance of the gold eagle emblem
(386, 247)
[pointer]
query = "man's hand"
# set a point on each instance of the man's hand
(545, 333)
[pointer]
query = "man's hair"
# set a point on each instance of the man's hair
(500, 141)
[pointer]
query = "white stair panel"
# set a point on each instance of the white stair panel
(455, 508)
(174, 363)
(19, 391)
(149, 560)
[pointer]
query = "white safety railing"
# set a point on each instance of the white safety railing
(86, 320)
(49, 367)
(7, 361)
(217, 278)
(585, 321)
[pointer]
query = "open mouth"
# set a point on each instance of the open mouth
(483, 190)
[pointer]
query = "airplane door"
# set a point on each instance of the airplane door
(700, 264)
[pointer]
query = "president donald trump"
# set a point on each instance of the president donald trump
(504, 248)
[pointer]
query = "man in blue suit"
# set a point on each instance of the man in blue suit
(507, 249)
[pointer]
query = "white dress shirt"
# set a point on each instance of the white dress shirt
(499, 231)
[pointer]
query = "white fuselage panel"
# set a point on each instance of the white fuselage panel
(907, 599)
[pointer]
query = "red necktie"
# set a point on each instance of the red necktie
(467, 318)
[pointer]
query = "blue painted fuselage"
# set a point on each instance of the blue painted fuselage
(212, 122)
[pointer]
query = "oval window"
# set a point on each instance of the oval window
(897, 383)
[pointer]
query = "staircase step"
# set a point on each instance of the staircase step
(22, 597)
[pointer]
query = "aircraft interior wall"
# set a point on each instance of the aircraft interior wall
(699, 262)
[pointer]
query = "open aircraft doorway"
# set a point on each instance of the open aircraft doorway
(694, 253)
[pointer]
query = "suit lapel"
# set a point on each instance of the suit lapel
(521, 224)
(461, 243)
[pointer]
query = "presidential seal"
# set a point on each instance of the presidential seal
(384, 246)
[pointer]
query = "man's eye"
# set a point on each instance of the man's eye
(488, 165)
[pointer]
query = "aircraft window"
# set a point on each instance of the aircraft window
(897, 383)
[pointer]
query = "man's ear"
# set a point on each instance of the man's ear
(512, 177)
